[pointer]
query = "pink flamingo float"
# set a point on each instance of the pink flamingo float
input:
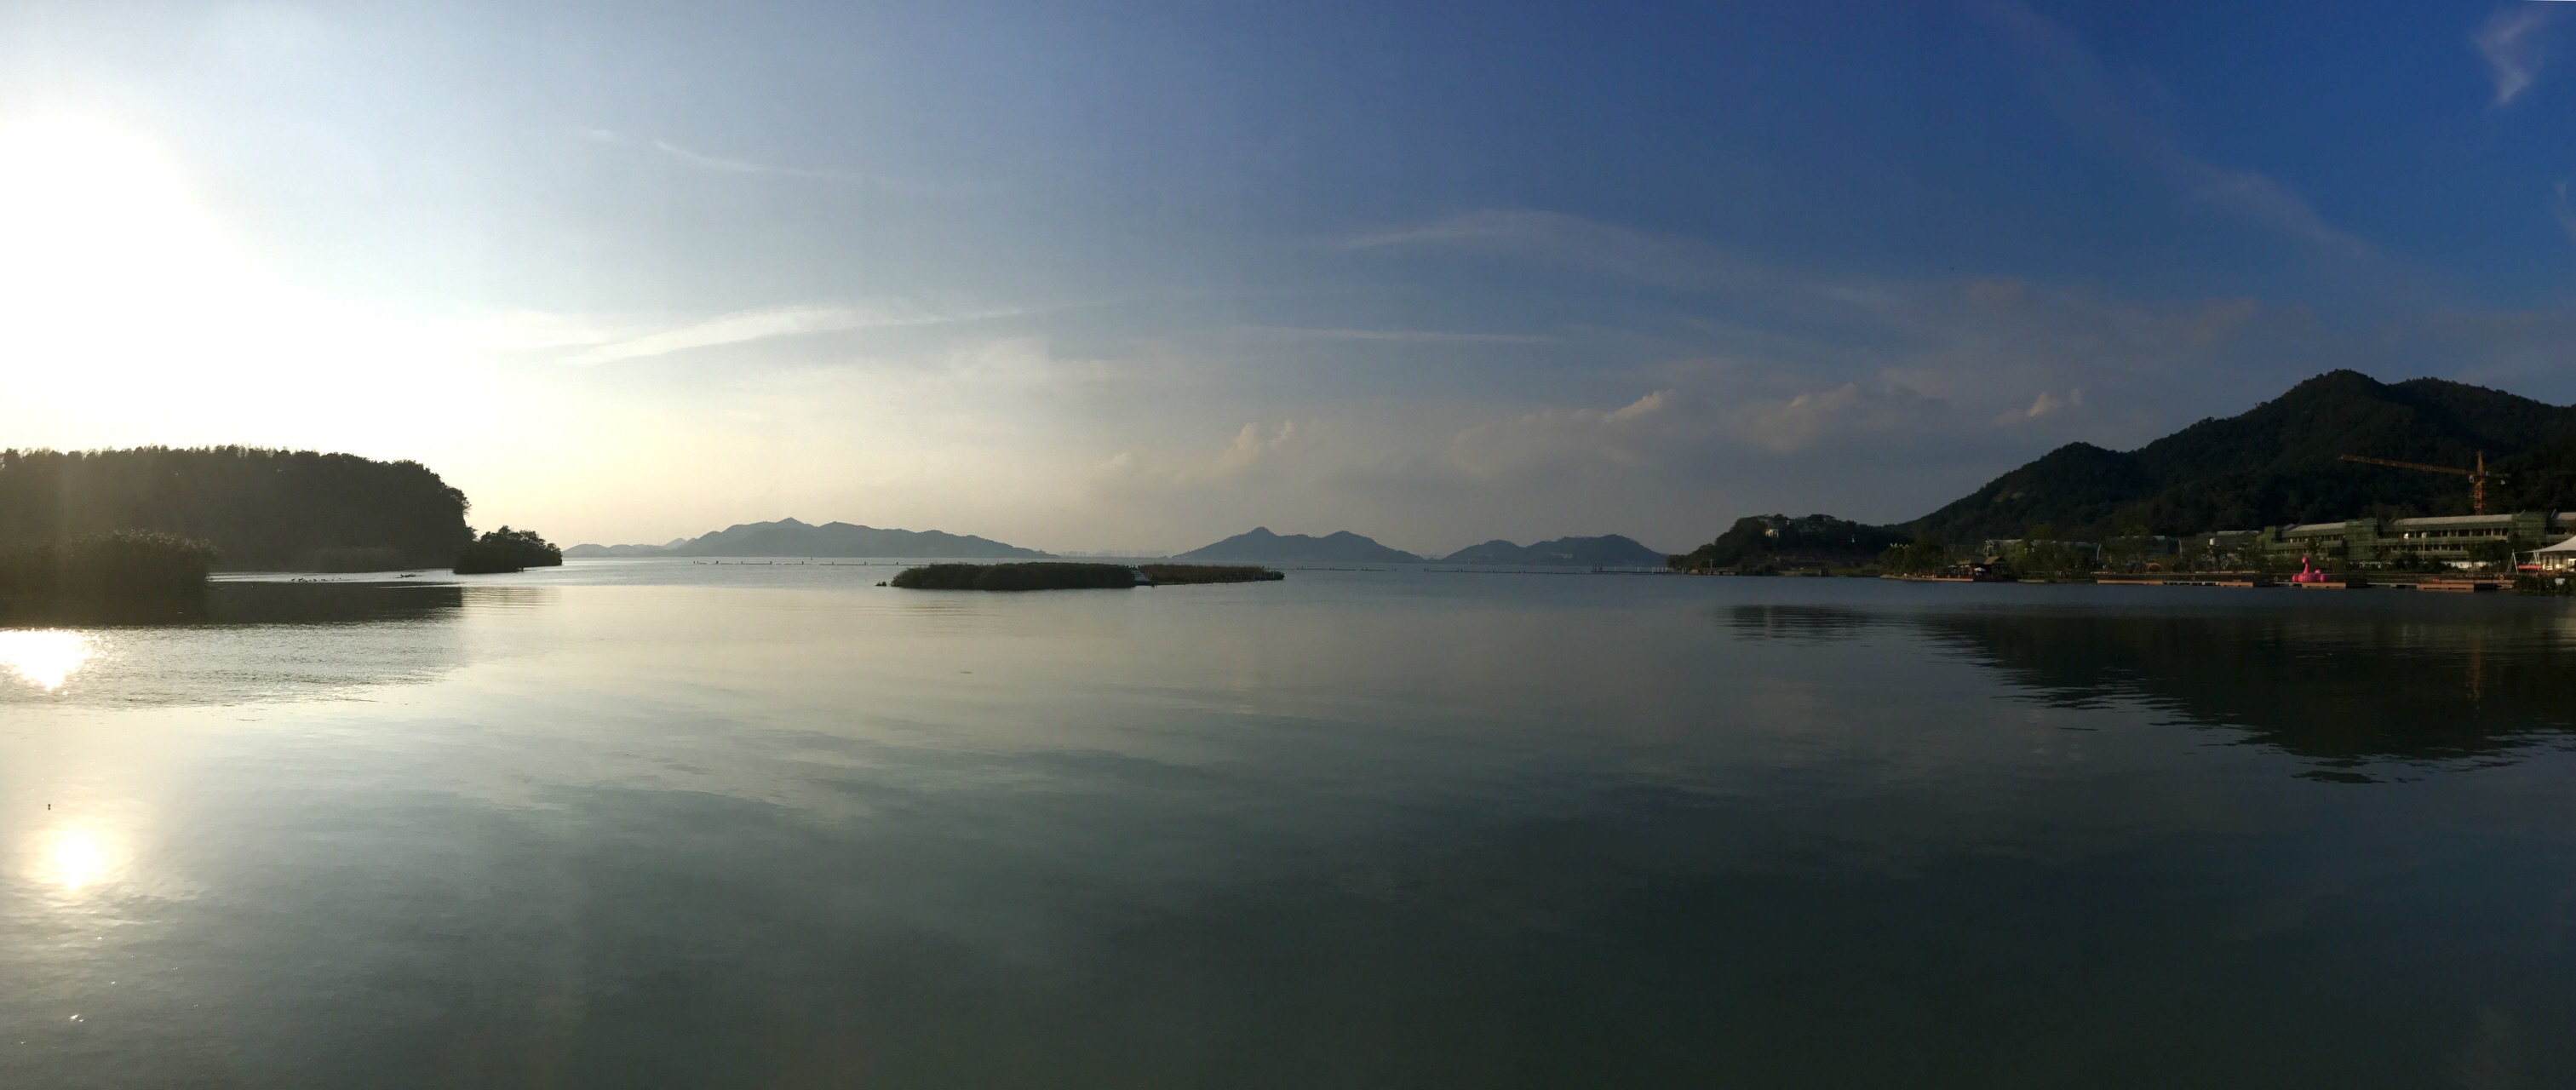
(2308, 573)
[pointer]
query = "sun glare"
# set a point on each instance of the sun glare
(45, 658)
(128, 313)
(96, 233)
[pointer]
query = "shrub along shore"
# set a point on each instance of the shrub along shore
(1059, 575)
(123, 571)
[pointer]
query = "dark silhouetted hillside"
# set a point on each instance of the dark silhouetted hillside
(1608, 551)
(789, 537)
(2278, 464)
(1780, 541)
(1343, 547)
(258, 508)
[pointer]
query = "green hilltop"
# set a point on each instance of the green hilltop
(2279, 464)
(258, 508)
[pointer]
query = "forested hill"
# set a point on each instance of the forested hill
(1338, 547)
(1608, 550)
(790, 537)
(260, 508)
(2278, 464)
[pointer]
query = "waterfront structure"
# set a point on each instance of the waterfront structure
(2371, 542)
(2558, 559)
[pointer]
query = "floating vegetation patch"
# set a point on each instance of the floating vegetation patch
(1176, 574)
(1033, 576)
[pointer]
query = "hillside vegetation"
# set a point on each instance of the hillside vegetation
(2278, 464)
(507, 550)
(1607, 551)
(257, 508)
(1778, 541)
(124, 569)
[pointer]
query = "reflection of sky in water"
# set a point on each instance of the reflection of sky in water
(45, 658)
(1604, 831)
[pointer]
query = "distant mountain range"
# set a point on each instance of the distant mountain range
(789, 537)
(1260, 544)
(2278, 463)
(1608, 550)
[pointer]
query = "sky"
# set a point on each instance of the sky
(1137, 276)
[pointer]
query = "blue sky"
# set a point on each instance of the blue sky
(1139, 275)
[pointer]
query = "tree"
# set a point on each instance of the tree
(259, 508)
(507, 550)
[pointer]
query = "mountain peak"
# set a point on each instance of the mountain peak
(2276, 463)
(1340, 546)
(1606, 551)
(792, 537)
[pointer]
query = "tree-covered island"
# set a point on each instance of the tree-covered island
(144, 526)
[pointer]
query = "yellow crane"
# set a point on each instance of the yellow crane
(2478, 477)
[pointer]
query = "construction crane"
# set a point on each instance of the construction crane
(2478, 477)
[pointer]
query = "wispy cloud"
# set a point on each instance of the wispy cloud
(2081, 92)
(1393, 336)
(1660, 261)
(744, 166)
(592, 341)
(2511, 42)
(2046, 404)
(749, 325)
(728, 165)
(2566, 215)
(1573, 240)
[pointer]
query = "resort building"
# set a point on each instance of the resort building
(2376, 542)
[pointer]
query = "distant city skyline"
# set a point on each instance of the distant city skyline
(1086, 276)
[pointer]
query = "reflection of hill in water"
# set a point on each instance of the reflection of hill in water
(2341, 688)
(328, 603)
(260, 603)
(269, 641)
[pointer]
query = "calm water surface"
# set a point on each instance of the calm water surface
(652, 824)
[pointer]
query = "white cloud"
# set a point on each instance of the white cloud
(1251, 447)
(1845, 412)
(2046, 404)
(749, 325)
(1548, 440)
(2511, 43)
(604, 339)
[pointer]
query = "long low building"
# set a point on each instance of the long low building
(2370, 542)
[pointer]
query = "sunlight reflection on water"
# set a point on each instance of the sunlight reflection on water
(45, 658)
(75, 858)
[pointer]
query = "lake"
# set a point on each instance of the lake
(649, 823)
